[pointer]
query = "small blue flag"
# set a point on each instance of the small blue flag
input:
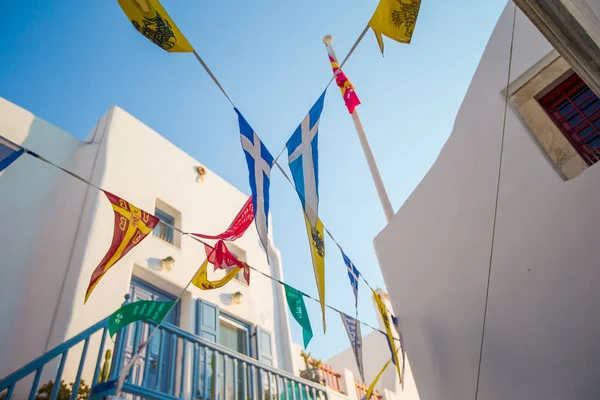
(9, 152)
(353, 274)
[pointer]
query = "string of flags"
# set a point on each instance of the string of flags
(393, 19)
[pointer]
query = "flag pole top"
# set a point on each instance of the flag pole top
(327, 40)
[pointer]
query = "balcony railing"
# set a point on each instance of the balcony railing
(174, 365)
(332, 378)
(362, 389)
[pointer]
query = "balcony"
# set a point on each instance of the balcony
(174, 365)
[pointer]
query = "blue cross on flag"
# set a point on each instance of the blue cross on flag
(259, 165)
(353, 274)
(9, 152)
(302, 158)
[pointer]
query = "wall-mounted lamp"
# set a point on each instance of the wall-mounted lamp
(237, 298)
(168, 263)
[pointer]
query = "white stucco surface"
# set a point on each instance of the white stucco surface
(41, 208)
(541, 336)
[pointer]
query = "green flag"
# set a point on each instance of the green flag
(295, 301)
(154, 311)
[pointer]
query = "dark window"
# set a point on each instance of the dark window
(576, 110)
(164, 229)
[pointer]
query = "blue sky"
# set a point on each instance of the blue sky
(69, 61)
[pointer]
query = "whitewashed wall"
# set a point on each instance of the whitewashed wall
(541, 339)
(42, 206)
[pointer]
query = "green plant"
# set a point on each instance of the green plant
(64, 391)
(316, 363)
(105, 367)
(306, 357)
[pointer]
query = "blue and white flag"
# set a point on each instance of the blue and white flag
(9, 152)
(352, 326)
(303, 160)
(353, 274)
(259, 162)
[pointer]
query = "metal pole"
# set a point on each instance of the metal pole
(362, 137)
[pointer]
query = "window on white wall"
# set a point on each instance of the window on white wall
(169, 218)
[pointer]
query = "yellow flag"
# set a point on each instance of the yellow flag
(388, 329)
(201, 281)
(372, 385)
(151, 20)
(317, 252)
(395, 19)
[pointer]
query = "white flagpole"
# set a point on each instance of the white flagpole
(383, 196)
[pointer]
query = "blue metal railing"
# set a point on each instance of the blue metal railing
(8, 384)
(175, 365)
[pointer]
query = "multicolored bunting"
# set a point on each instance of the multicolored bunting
(388, 329)
(353, 329)
(295, 300)
(395, 19)
(303, 154)
(238, 226)
(201, 281)
(221, 258)
(132, 225)
(9, 152)
(154, 311)
(374, 383)
(151, 20)
(259, 162)
(353, 275)
(347, 88)
(317, 253)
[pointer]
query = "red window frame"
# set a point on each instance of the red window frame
(568, 106)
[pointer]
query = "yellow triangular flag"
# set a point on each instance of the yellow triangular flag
(317, 252)
(395, 19)
(372, 385)
(388, 329)
(201, 281)
(151, 20)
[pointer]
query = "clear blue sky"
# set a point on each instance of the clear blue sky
(69, 61)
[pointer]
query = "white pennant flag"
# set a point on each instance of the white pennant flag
(353, 329)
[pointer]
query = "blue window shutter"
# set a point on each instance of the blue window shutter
(264, 346)
(207, 320)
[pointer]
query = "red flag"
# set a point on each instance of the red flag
(238, 227)
(132, 225)
(222, 258)
(347, 88)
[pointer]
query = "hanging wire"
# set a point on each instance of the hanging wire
(487, 292)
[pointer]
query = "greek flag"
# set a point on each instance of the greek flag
(9, 152)
(302, 158)
(259, 165)
(353, 274)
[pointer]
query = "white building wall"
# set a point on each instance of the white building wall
(541, 338)
(42, 207)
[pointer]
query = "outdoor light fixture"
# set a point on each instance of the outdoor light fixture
(237, 298)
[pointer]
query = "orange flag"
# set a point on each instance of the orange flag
(132, 225)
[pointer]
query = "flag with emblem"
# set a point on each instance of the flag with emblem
(9, 152)
(348, 93)
(154, 311)
(388, 329)
(201, 281)
(259, 162)
(221, 258)
(132, 225)
(151, 20)
(295, 300)
(317, 253)
(352, 326)
(303, 154)
(395, 19)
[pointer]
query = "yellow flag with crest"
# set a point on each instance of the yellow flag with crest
(395, 19)
(151, 20)
(317, 252)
